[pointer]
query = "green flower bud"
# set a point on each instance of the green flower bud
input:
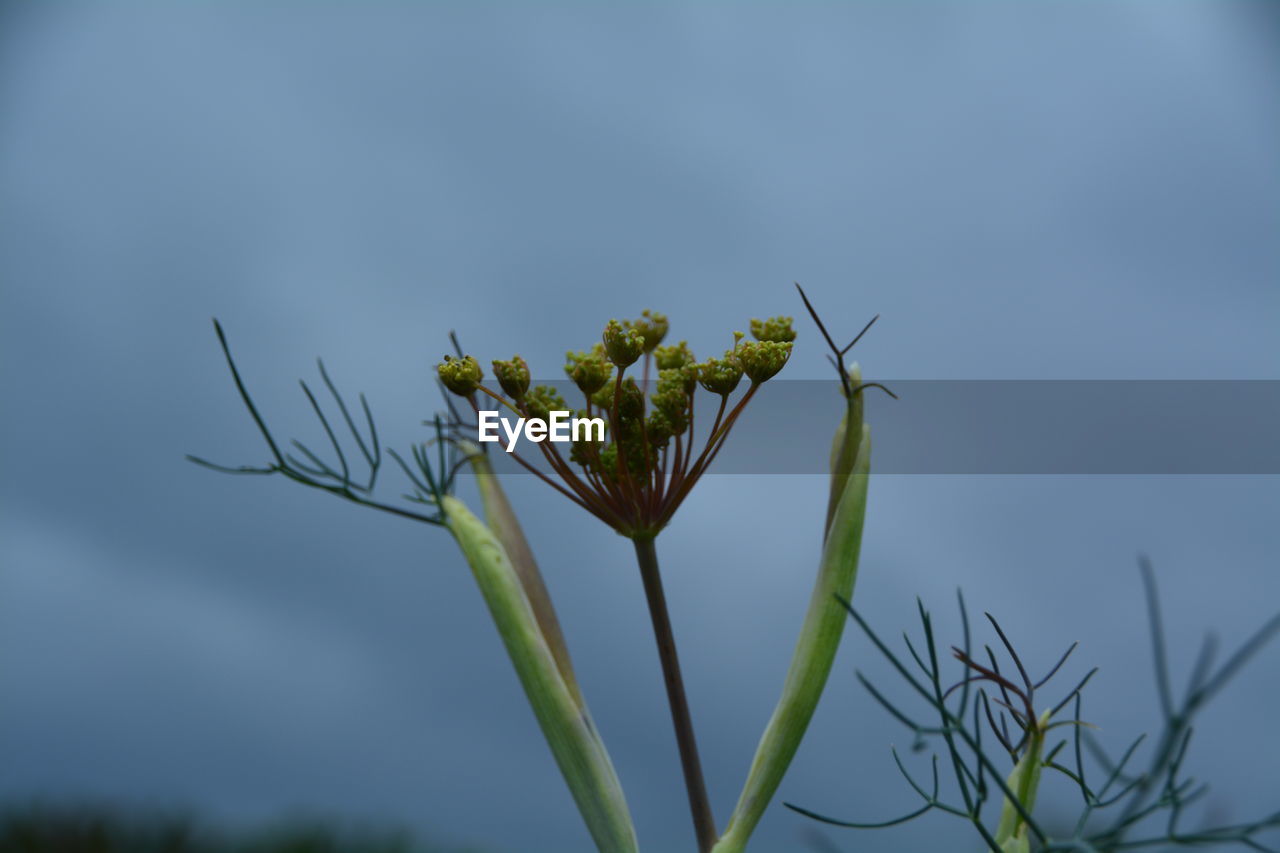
(542, 401)
(776, 329)
(634, 453)
(584, 453)
(673, 396)
(684, 377)
(608, 464)
(586, 450)
(589, 371)
(622, 344)
(673, 356)
(658, 429)
(720, 375)
(512, 375)
(460, 375)
(674, 404)
(630, 401)
(761, 360)
(652, 326)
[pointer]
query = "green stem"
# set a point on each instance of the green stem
(704, 824)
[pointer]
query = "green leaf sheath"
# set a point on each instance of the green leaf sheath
(1024, 781)
(502, 520)
(845, 446)
(814, 654)
(565, 723)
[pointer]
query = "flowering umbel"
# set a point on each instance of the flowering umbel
(512, 375)
(652, 454)
(460, 375)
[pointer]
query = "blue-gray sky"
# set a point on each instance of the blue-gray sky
(1022, 191)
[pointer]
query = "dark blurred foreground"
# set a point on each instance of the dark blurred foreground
(98, 830)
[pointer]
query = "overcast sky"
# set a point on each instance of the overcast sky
(1022, 191)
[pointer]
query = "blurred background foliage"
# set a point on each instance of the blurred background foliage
(63, 829)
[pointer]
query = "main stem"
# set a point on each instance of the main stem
(704, 824)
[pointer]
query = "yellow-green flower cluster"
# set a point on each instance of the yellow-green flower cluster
(761, 360)
(673, 356)
(777, 329)
(542, 401)
(590, 371)
(460, 375)
(652, 326)
(513, 376)
(624, 344)
(634, 478)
